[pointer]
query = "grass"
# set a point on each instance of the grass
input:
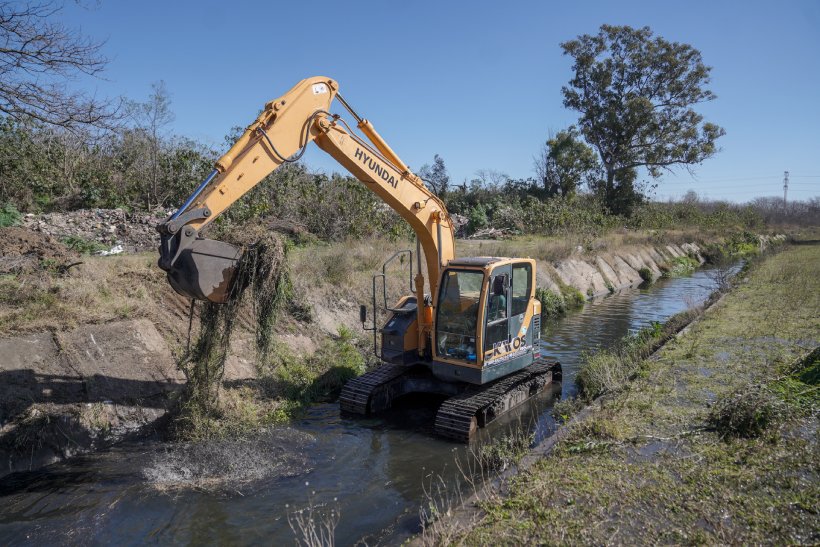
(606, 371)
(9, 215)
(506, 450)
(680, 266)
(98, 290)
(650, 465)
(551, 249)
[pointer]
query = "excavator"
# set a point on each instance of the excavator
(469, 330)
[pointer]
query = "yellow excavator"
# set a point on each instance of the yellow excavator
(472, 336)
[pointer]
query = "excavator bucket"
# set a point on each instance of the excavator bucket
(206, 270)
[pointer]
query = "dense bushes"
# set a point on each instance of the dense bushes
(138, 168)
(45, 169)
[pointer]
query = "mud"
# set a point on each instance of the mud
(226, 464)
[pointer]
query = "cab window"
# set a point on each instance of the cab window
(457, 314)
(521, 287)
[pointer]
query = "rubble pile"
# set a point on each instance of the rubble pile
(113, 228)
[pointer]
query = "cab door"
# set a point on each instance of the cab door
(520, 294)
(497, 308)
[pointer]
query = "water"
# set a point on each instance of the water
(375, 472)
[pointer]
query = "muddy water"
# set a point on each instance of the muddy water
(375, 472)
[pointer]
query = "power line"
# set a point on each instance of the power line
(746, 187)
(741, 179)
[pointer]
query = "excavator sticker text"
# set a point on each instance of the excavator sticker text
(374, 166)
(512, 349)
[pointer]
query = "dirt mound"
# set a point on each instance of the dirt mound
(23, 250)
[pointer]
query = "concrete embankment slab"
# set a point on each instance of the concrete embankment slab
(125, 360)
(121, 362)
(70, 392)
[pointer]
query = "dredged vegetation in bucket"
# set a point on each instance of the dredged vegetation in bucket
(262, 270)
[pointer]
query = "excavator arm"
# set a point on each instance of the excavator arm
(204, 269)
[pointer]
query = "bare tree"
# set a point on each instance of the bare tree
(38, 57)
(490, 178)
(150, 119)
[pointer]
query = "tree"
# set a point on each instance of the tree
(150, 120)
(37, 59)
(489, 178)
(566, 163)
(436, 176)
(635, 94)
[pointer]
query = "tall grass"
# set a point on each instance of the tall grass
(608, 370)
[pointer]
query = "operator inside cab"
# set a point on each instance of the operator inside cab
(497, 308)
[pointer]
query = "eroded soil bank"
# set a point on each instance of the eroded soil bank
(651, 464)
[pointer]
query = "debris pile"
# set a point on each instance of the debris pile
(135, 232)
(24, 251)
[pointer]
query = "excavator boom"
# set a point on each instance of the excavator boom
(205, 269)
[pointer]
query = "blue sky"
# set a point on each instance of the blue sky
(477, 82)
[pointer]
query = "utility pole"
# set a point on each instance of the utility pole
(785, 187)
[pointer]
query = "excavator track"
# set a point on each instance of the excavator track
(460, 416)
(357, 394)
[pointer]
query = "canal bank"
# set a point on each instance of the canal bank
(91, 349)
(375, 472)
(714, 441)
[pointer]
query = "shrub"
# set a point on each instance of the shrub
(477, 219)
(680, 266)
(9, 215)
(83, 246)
(572, 297)
(746, 413)
(552, 304)
(646, 274)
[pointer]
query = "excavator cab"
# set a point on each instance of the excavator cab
(487, 319)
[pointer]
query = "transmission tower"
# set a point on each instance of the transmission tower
(785, 186)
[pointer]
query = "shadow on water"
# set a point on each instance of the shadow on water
(373, 470)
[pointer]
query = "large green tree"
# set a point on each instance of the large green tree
(635, 93)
